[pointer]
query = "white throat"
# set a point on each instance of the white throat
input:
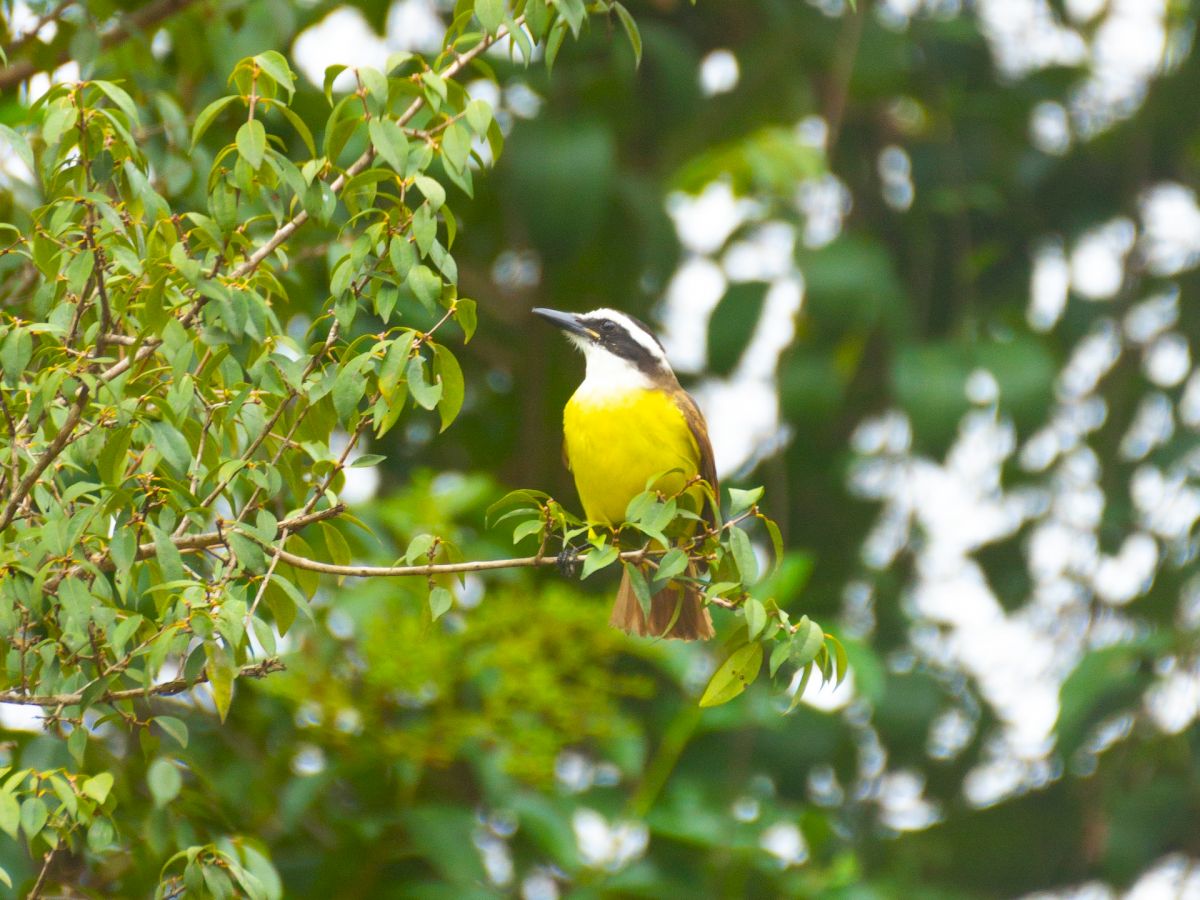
(609, 376)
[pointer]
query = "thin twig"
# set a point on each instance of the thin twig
(165, 689)
(36, 890)
(56, 447)
(138, 20)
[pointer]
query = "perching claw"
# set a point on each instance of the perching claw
(568, 561)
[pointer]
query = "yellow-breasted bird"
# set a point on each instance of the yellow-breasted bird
(628, 421)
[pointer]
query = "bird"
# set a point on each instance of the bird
(628, 421)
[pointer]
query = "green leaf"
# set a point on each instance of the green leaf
(348, 389)
(641, 587)
(631, 31)
(10, 814)
(440, 601)
(756, 617)
(466, 316)
(367, 460)
(335, 543)
(743, 555)
(173, 446)
(301, 129)
(798, 696)
(277, 67)
(403, 257)
(479, 116)
(806, 642)
(432, 190)
(423, 392)
(15, 353)
(19, 145)
(252, 143)
(418, 549)
(779, 655)
(169, 558)
(573, 12)
(34, 815)
(205, 119)
(424, 228)
(331, 74)
(599, 558)
(525, 529)
(448, 372)
(456, 146)
(98, 786)
(164, 781)
(389, 142)
(376, 84)
(491, 14)
(776, 544)
(740, 501)
(121, 99)
(734, 675)
(672, 563)
(176, 728)
(425, 285)
(221, 673)
(841, 663)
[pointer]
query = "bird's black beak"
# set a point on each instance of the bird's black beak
(568, 322)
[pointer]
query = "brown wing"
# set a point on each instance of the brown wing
(695, 422)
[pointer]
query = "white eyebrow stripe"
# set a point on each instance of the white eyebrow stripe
(636, 331)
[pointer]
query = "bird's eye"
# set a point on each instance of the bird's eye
(608, 326)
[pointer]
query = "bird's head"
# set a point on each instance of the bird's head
(614, 344)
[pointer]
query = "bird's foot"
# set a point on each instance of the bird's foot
(568, 561)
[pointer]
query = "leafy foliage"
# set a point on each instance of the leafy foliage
(462, 733)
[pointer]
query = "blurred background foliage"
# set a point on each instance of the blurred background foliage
(969, 392)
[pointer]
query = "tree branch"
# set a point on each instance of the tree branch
(290, 227)
(213, 538)
(51, 453)
(166, 689)
(138, 20)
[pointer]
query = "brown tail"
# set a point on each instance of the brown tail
(692, 623)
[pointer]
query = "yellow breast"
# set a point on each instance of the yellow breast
(616, 442)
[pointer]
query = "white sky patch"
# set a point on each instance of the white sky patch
(1083, 11)
(718, 72)
(1050, 128)
(902, 803)
(822, 695)
(705, 221)
(1126, 54)
(329, 43)
(895, 176)
(1025, 36)
(825, 202)
(1123, 44)
(1051, 284)
(605, 846)
(40, 83)
(20, 717)
(1098, 259)
(1168, 360)
(767, 253)
(1150, 318)
(692, 294)
(1170, 240)
(1119, 579)
(786, 843)
(345, 37)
